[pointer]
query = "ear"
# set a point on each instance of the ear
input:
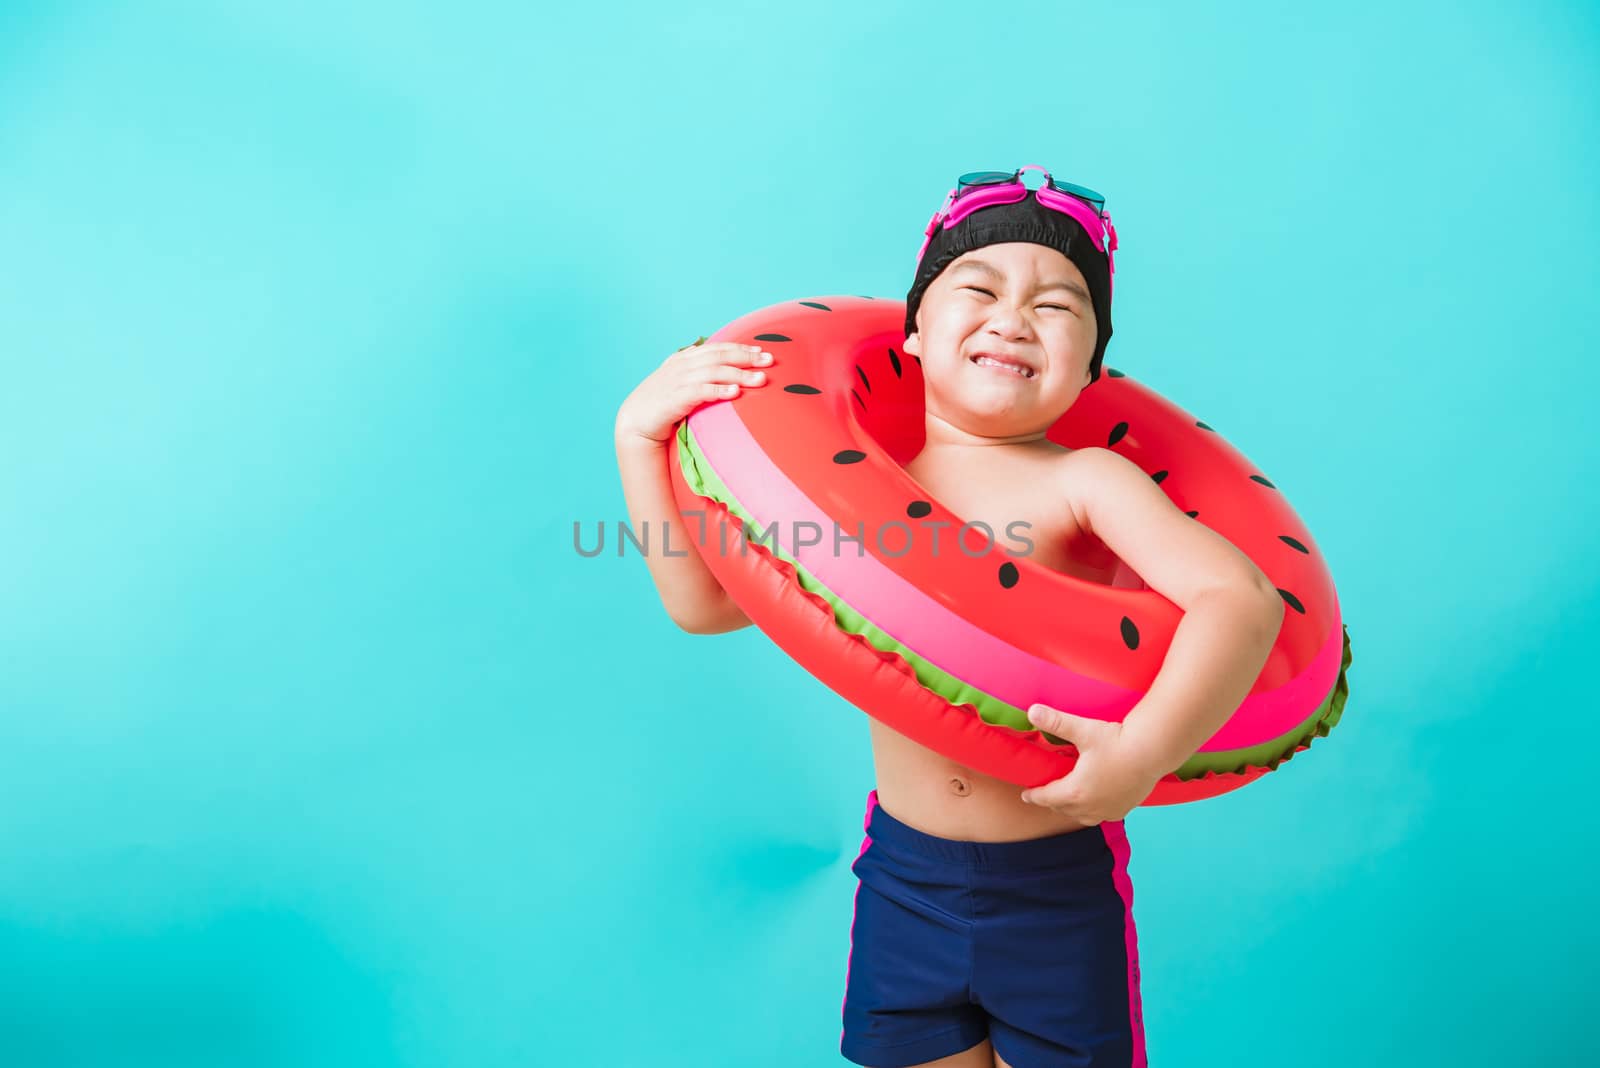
(913, 345)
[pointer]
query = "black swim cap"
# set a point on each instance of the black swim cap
(1026, 220)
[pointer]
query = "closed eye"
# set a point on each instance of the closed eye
(980, 289)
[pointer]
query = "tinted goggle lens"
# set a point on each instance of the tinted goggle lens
(1081, 193)
(967, 182)
(976, 179)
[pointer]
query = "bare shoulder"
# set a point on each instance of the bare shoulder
(1092, 474)
(1112, 498)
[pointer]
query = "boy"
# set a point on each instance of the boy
(994, 927)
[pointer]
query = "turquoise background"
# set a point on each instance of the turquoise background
(321, 744)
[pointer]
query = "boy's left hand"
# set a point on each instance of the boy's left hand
(1108, 781)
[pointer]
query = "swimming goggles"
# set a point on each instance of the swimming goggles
(981, 189)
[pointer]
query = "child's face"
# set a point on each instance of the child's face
(1014, 309)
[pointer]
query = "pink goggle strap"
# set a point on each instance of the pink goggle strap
(1101, 233)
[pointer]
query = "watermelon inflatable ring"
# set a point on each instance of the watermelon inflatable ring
(951, 647)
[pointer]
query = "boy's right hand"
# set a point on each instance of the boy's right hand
(696, 374)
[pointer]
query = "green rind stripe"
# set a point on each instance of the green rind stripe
(697, 472)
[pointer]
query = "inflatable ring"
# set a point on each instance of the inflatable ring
(950, 648)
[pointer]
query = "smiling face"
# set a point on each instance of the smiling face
(1005, 334)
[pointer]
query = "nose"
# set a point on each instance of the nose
(1008, 320)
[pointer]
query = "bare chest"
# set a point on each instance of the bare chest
(1021, 505)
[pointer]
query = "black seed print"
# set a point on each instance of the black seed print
(1114, 373)
(866, 298)
(859, 401)
(894, 361)
(1202, 426)
(863, 376)
(1191, 515)
(848, 456)
(1008, 574)
(1264, 482)
(1116, 434)
(1291, 543)
(814, 304)
(1158, 476)
(773, 337)
(1292, 601)
(918, 509)
(1130, 633)
(798, 388)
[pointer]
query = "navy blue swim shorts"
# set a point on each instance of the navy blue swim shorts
(1030, 944)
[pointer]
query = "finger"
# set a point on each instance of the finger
(696, 393)
(1067, 725)
(738, 354)
(1057, 795)
(1047, 719)
(726, 372)
(1060, 790)
(688, 381)
(1034, 797)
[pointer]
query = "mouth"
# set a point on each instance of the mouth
(1003, 363)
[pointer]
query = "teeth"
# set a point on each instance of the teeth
(989, 361)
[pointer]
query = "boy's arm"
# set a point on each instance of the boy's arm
(1231, 611)
(689, 591)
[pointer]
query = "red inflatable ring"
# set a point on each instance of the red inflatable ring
(950, 648)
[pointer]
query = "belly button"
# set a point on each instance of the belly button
(960, 786)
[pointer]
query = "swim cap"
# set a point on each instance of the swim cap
(1026, 220)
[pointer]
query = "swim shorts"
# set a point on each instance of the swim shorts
(1029, 943)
